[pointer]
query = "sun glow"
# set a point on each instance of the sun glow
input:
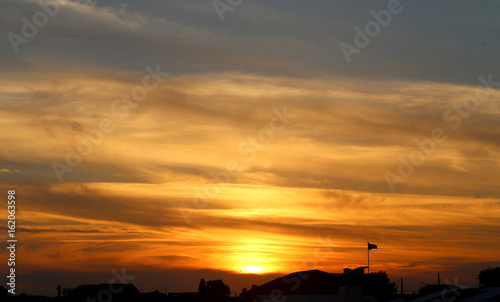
(253, 269)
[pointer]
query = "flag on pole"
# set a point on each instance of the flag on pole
(371, 246)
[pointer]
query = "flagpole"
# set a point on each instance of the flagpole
(368, 259)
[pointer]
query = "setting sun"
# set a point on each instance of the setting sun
(253, 269)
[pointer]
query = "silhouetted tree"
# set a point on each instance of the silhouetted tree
(489, 277)
(213, 291)
(244, 293)
(202, 287)
(380, 286)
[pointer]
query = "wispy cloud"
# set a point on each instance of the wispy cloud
(321, 181)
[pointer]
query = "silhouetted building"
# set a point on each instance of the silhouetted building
(67, 291)
(433, 291)
(183, 297)
(312, 285)
(155, 296)
(491, 294)
(351, 285)
(103, 292)
(454, 293)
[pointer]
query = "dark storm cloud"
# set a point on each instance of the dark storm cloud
(444, 42)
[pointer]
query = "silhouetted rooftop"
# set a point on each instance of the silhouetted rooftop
(301, 283)
(118, 292)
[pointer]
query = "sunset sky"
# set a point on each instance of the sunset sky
(261, 151)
